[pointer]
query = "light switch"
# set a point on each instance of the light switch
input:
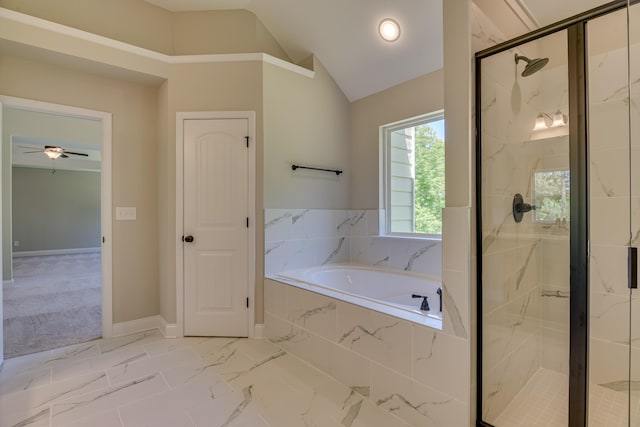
(125, 213)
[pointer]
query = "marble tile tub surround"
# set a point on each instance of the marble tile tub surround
(145, 379)
(416, 373)
(301, 238)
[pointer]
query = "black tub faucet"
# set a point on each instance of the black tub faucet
(425, 304)
(439, 292)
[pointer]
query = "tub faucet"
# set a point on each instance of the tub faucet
(425, 304)
(439, 292)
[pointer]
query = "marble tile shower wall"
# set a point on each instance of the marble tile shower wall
(301, 238)
(516, 282)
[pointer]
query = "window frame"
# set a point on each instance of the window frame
(385, 132)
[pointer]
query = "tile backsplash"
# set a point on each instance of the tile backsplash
(302, 238)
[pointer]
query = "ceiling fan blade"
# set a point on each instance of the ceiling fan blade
(64, 156)
(30, 152)
(76, 154)
(28, 148)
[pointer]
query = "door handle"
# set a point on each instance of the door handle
(187, 239)
(632, 263)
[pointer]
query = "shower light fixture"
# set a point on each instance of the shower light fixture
(389, 30)
(558, 120)
(540, 122)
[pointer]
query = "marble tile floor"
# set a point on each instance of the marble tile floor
(543, 403)
(146, 380)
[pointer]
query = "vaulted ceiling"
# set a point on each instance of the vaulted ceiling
(343, 34)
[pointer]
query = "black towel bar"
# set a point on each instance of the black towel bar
(336, 171)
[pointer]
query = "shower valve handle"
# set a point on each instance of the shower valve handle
(526, 207)
(519, 207)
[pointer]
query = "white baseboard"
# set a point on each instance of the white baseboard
(135, 326)
(258, 331)
(71, 251)
(168, 330)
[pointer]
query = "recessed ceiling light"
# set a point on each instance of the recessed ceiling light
(389, 30)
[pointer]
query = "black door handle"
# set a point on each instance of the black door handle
(188, 239)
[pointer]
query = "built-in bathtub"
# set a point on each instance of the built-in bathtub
(387, 291)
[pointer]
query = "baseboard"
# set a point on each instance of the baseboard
(258, 331)
(168, 330)
(72, 251)
(138, 325)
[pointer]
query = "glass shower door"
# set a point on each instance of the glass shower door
(525, 198)
(613, 223)
(634, 164)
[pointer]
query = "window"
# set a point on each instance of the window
(551, 195)
(413, 175)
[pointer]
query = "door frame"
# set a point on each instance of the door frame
(105, 188)
(251, 260)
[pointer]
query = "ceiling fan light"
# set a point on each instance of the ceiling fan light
(53, 152)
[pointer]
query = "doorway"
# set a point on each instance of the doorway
(56, 225)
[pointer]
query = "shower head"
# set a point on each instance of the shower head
(532, 66)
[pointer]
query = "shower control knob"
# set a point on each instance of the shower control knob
(519, 207)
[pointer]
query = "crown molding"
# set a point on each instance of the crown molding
(42, 24)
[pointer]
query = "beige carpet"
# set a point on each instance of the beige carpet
(54, 301)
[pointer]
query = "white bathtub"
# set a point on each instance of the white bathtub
(386, 291)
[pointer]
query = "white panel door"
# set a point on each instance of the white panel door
(215, 217)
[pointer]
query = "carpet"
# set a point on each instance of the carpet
(54, 301)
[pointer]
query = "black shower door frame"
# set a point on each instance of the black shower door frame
(579, 209)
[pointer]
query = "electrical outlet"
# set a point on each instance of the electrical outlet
(125, 213)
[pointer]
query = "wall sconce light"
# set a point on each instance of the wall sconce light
(558, 120)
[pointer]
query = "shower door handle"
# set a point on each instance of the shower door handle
(632, 262)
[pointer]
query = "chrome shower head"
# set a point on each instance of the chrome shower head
(533, 65)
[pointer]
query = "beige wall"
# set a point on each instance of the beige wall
(422, 95)
(135, 260)
(130, 21)
(222, 31)
(142, 24)
(306, 122)
(166, 210)
(234, 86)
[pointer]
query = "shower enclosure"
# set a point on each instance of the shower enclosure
(558, 197)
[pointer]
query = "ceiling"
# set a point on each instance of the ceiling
(343, 34)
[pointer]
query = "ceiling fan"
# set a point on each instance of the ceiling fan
(54, 152)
